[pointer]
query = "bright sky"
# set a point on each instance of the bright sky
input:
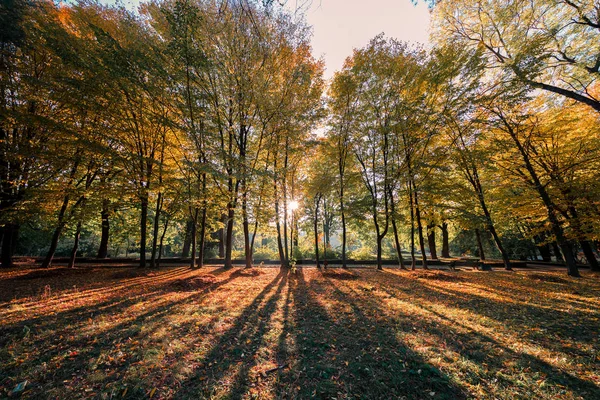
(342, 25)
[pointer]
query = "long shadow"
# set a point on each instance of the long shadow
(355, 356)
(75, 315)
(485, 350)
(236, 349)
(66, 352)
(528, 316)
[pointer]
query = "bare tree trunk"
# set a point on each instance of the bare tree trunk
(222, 236)
(413, 258)
(9, 241)
(75, 245)
(586, 247)
(159, 201)
(479, 245)
(202, 237)
(143, 230)
(57, 232)
(343, 215)
(187, 239)
(229, 236)
(104, 214)
(194, 236)
(557, 253)
(246, 227)
(162, 239)
(397, 241)
(420, 228)
(277, 221)
(431, 241)
(445, 240)
(316, 228)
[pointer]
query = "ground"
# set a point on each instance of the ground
(214, 333)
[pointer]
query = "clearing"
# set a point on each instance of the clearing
(264, 333)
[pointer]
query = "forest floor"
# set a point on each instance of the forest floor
(108, 333)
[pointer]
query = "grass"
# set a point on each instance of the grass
(213, 333)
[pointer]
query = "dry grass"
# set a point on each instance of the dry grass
(216, 333)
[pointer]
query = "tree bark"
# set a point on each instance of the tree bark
(316, 229)
(479, 245)
(9, 240)
(162, 239)
(445, 240)
(343, 215)
(413, 258)
(420, 228)
(187, 239)
(202, 237)
(586, 247)
(194, 236)
(104, 214)
(75, 245)
(143, 230)
(557, 253)
(397, 241)
(246, 228)
(229, 236)
(156, 224)
(431, 241)
(56, 235)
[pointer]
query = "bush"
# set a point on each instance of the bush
(265, 253)
(362, 253)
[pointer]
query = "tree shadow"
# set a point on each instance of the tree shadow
(58, 352)
(484, 350)
(228, 365)
(356, 355)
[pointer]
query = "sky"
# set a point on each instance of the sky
(342, 25)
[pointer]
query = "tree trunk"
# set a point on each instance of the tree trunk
(431, 241)
(143, 231)
(57, 232)
(379, 258)
(544, 250)
(75, 245)
(343, 215)
(397, 241)
(278, 225)
(572, 269)
(155, 230)
(445, 241)
(557, 253)
(479, 245)
(104, 214)
(413, 258)
(229, 236)
(9, 240)
(246, 227)
(162, 239)
(589, 255)
(194, 237)
(420, 229)
(476, 183)
(187, 239)
(316, 228)
(285, 231)
(202, 238)
(222, 236)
